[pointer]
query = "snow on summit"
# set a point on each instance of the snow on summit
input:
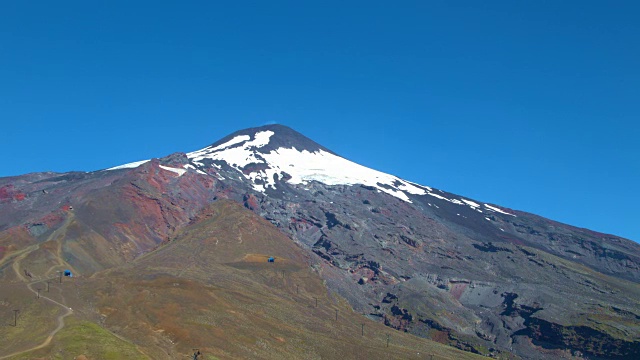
(302, 166)
(264, 158)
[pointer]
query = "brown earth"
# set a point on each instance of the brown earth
(211, 288)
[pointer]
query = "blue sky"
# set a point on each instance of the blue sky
(533, 105)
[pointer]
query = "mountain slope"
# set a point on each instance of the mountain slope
(211, 288)
(474, 275)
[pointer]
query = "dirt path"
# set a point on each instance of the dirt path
(16, 254)
(16, 268)
(16, 262)
(19, 256)
(60, 320)
(58, 234)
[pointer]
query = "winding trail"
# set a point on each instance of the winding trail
(16, 268)
(60, 319)
(17, 258)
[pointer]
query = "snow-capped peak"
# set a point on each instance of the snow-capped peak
(300, 166)
(266, 156)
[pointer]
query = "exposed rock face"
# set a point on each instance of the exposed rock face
(107, 217)
(449, 283)
(477, 276)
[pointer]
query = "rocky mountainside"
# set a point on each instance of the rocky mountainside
(478, 276)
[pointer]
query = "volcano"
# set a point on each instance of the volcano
(410, 258)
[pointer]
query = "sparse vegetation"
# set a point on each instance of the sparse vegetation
(223, 298)
(80, 337)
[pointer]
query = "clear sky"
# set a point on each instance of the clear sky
(533, 105)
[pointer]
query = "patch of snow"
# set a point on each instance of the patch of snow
(257, 187)
(324, 167)
(420, 186)
(260, 139)
(129, 165)
(180, 172)
(411, 188)
(471, 203)
(235, 140)
(438, 196)
(493, 208)
(208, 149)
